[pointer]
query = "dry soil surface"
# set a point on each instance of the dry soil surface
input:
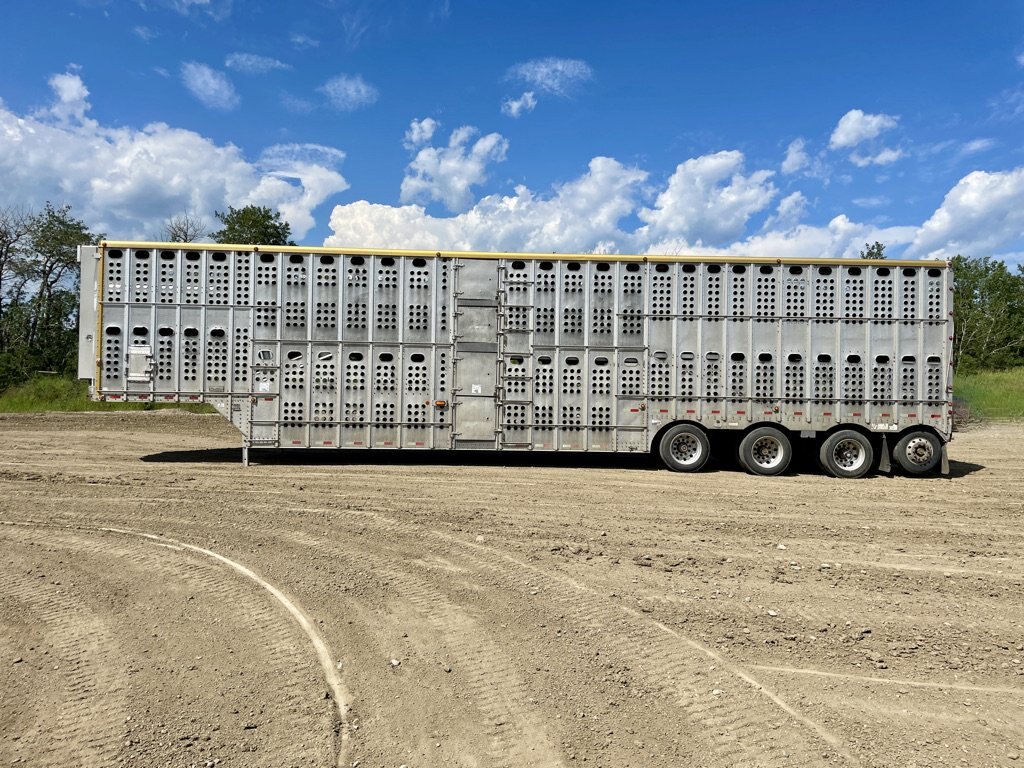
(160, 605)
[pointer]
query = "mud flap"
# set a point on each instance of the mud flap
(883, 461)
(945, 459)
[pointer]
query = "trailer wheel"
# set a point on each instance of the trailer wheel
(918, 452)
(765, 451)
(847, 453)
(685, 448)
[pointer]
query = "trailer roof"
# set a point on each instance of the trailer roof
(515, 255)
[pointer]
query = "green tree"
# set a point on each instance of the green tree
(253, 225)
(988, 314)
(875, 250)
(38, 325)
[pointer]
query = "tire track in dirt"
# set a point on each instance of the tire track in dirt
(746, 723)
(79, 697)
(519, 737)
(293, 708)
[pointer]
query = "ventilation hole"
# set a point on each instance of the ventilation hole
(267, 258)
(326, 259)
(385, 357)
(191, 332)
(882, 359)
(547, 266)
(934, 273)
(167, 255)
(908, 272)
(909, 359)
(765, 270)
(853, 358)
(687, 356)
(853, 271)
(115, 254)
(515, 361)
(419, 263)
(714, 269)
(796, 270)
(739, 269)
(417, 358)
(572, 361)
(764, 357)
(632, 267)
(219, 256)
(661, 268)
(265, 355)
(824, 358)
(518, 265)
(825, 271)
(600, 361)
(689, 268)
(660, 355)
(113, 330)
(142, 254)
(357, 261)
(192, 256)
(295, 258)
(631, 361)
(140, 330)
(933, 359)
(795, 358)
(294, 355)
(166, 331)
(355, 356)
(387, 261)
(882, 271)
(573, 266)
(603, 267)
(712, 356)
(544, 360)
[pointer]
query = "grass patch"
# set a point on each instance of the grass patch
(59, 393)
(992, 394)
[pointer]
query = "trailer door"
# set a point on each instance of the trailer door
(476, 355)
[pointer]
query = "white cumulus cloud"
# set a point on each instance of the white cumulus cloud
(552, 75)
(796, 157)
(253, 63)
(448, 174)
(214, 89)
(516, 107)
(349, 92)
(127, 181)
(982, 214)
(583, 214)
(790, 210)
(419, 133)
(708, 200)
(857, 126)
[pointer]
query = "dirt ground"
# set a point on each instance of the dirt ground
(161, 605)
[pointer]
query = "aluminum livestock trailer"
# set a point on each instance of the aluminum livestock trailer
(418, 350)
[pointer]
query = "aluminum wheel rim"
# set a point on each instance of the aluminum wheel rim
(920, 451)
(767, 452)
(685, 449)
(849, 455)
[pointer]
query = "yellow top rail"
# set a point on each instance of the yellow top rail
(654, 258)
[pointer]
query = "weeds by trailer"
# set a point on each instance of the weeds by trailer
(350, 348)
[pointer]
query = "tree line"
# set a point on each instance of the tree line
(39, 278)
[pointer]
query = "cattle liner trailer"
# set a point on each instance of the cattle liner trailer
(354, 348)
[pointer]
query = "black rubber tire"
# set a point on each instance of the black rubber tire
(765, 451)
(918, 452)
(847, 453)
(684, 448)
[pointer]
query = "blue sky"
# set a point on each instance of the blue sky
(782, 128)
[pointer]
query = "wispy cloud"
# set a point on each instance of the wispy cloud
(301, 42)
(876, 201)
(552, 75)
(1009, 104)
(522, 105)
(145, 34)
(211, 87)
(796, 157)
(253, 63)
(975, 146)
(857, 126)
(297, 104)
(349, 92)
(884, 157)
